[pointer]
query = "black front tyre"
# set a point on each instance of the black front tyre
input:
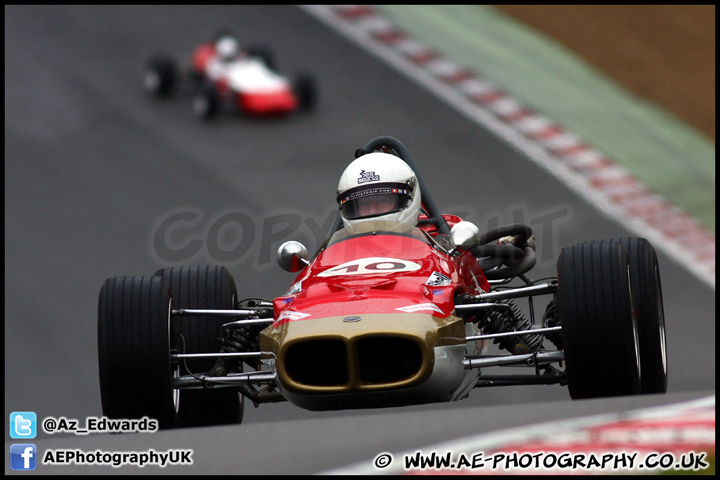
(134, 350)
(305, 89)
(599, 330)
(645, 275)
(203, 287)
(206, 102)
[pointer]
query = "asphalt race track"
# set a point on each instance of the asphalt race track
(94, 168)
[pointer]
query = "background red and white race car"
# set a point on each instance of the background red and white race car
(222, 76)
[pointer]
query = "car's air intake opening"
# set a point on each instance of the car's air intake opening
(387, 359)
(321, 363)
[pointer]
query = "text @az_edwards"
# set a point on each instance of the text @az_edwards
(53, 425)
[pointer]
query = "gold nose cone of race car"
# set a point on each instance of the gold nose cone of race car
(359, 353)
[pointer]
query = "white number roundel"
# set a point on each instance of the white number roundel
(372, 265)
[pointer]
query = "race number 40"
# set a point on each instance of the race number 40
(372, 265)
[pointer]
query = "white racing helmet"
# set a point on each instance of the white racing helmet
(227, 48)
(379, 186)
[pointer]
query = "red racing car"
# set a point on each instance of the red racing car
(398, 307)
(224, 77)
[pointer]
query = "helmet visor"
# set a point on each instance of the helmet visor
(374, 200)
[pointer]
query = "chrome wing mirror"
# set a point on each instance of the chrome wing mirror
(292, 256)
(464, 236)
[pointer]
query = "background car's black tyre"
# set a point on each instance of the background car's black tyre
(206, 102)
(305, 88)
(134, 349)
(595, 309)
(161, 75)
(203, 287)
(645, 275)
(195, 81)
(263, 53)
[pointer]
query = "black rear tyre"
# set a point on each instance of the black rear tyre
(161, 76)
(203, 287)
(134, 350)
(595, 308)
(645, 275)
